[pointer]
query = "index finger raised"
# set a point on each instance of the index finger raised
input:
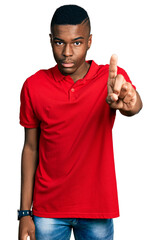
(113, 66)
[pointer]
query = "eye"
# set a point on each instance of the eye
(59, 43)
(77, 43)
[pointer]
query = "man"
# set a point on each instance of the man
(68, 112)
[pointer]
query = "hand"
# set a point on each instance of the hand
(121, 94)
(26, 228)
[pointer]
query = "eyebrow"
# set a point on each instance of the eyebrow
(55, 38)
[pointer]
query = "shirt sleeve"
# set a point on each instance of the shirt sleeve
(125, 75)
(27, 115)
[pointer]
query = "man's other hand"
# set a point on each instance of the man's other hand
(26, 228)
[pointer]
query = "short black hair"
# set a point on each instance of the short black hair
(71, 15)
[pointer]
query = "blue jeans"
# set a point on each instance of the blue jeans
(83, 228)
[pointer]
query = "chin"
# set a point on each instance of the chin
(67, 71)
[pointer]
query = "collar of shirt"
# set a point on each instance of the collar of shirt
(58, 76)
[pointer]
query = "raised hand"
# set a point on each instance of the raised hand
(121, 94)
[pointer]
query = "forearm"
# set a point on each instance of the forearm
(137, 107)
(28, 168)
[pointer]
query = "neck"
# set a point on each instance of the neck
(81, 72)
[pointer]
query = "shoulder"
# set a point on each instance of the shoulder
(38, 78)
(99, 69)
(39, 75)
(104, 69)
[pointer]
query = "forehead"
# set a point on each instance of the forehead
(70, 31)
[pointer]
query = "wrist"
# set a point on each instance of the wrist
(127, 113)
(23, 213)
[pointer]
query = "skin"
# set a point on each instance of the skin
(29, 162)
(121, 94)
(70, 44)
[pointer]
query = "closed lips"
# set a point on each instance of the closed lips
(67, 64)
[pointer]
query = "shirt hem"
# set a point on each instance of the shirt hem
(29, 125)
(76, 215)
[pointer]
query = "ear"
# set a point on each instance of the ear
(89, 41)
(50, 35)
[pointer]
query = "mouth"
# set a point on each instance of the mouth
(67, 64)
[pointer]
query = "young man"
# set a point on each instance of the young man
(68, 112)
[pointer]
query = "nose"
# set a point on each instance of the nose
(67, 51)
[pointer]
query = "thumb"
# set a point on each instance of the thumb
(112, 97)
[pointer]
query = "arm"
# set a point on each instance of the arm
(29, 163)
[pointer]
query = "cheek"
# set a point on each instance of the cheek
(81, 52)
(56, 51)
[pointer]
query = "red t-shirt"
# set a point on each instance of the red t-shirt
(75, 177)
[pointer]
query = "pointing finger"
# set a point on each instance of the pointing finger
(113, 66)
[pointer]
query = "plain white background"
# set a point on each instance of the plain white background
(131, 30)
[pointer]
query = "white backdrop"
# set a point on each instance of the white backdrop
(131, 30)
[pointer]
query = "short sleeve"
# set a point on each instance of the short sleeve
(125, 75)
(27, 115)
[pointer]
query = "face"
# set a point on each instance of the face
(70, 44)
